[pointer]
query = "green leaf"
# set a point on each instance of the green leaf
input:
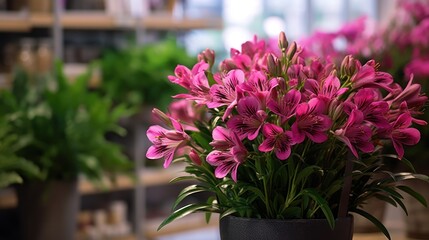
(322, 203)
(374, 220)
(256, 191)
(293, 212)
(201, 140)
(228, 212)
(414, 194)
(408, 164)
(182, 178)
(187, 192)
(9, 178)
(208, 215)
(210, 77)
(306, 172)
(386, 199)
(182, 212)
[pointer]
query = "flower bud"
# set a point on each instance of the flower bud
(272, 65)
(193, 155)
(291, 51)
(158, 114)
(207, 56)
(283, 43)
(349, 66)
(227, 65)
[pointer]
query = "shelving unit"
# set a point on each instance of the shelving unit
(24, 22)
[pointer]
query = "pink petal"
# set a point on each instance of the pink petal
(155, 152)
(408, 136)
(270, 130)
(154, 132)
(267, 145)
(399, 148)
(216, 158)
(169, 155)
(221, 133)
(348, 143)
(283, 153)
(234, 173)
(317, 137)
(222, 170)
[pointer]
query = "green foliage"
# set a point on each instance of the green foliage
(137, 75)
(64, 126)
(13, 168)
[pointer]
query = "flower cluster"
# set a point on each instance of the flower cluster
(281, 126)
(402, 48)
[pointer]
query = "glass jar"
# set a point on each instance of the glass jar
(26, 57)
(44, 56)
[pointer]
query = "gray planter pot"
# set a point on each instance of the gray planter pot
(235, 228)
(48, 211)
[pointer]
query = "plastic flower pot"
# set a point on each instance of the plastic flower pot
(236, 228)
(48, 210)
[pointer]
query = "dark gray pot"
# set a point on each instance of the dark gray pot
(235, 228)
(48, 210)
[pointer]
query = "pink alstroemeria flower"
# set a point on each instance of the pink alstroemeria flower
(194, 81)
(311, 122)
(250, 118)
(166, 142)
(411, 94)
(419, 67)
(329, 89)
(229, 152)
(259, 86)
(228, 93)
(355, 134)
(367, 77)
(278, 140)
(402, 134)
(285, 105)
(186, 112)
(374, 111)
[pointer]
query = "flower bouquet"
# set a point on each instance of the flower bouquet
(273, 135)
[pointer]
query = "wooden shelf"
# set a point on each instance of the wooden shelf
(91, 20)
(40, 20)
(148, 177)
(14, 22)
(167, 23)
(188, 223)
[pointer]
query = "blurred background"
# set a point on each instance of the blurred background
(79, 80)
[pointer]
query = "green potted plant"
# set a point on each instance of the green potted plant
(136, 75)
(289, 146)
(65, 127)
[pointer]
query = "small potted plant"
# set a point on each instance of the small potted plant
(288, 145)
(64, 126)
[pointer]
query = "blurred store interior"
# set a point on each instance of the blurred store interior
(125, 49)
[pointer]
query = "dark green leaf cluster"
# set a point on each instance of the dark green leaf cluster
(12, 167)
